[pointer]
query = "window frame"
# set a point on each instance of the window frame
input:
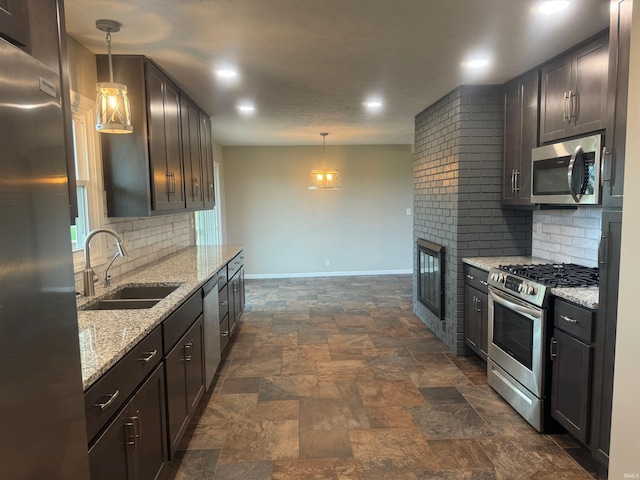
(83, 113)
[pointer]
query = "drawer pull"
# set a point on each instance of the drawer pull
(149, 356)
(553, 349)
(106, 404)
(224, 303)
(484, 283)
(569, 319)
(224, 334)
(470, 277)
(187, 351)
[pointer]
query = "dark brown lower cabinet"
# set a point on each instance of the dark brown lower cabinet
(185, 381)
(476, 311)
(571, 391)
(134, 447)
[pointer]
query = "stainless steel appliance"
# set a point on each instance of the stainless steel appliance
(43, 433)
(567, 173)
(519, 331)
(211, 308)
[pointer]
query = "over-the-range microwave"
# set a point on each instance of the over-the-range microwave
(567, 173)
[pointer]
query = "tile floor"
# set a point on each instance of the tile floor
(335, 378)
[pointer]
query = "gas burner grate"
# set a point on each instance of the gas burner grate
(557, 274)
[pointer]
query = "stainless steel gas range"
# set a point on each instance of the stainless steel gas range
(520, 329)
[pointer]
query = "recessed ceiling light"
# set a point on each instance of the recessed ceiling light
(246, 108)
(554, 6)
(373, 104)
(476, 63)
(226, 73)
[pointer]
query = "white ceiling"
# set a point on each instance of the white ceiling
(308, 65)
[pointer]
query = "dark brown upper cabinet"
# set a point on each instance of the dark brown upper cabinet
(618, 87)
(574, 92)
(156, 169)
(206, 147)
(520, 137)
(14, 21)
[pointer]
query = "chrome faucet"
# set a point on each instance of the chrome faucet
(90, 276)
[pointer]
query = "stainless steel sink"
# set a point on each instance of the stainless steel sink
(121, 304)
(131, 298)
(141, 292)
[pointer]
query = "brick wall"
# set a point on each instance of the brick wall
(457, 192)
(567, 236)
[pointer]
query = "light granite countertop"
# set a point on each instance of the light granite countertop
(584, 296)
(107, 335)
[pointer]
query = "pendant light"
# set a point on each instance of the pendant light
(112, 103)
(324, 179)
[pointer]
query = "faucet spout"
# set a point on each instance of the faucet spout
(89, 275)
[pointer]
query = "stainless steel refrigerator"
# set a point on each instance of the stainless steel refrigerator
(42, 425)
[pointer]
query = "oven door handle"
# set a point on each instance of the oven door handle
(510, 303)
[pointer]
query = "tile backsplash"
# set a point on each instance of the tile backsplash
(567, 236)
(146, 240)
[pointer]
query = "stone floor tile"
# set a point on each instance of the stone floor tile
(241, 385)
(258, 441)
(254, 367)
(221, 409)
(204, 436)
(244, 471)
(290, 387)
(306, 353)
(460, 454)
(319, 469)
(332, 414)
(389, 394)
(442, 395)
(277, 410)
(450, 421)
(298, 368)
(325, 444)
(390, 417)
(191, 464)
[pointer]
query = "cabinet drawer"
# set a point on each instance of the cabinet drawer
(235, 264)
(476, 278)
(113, 389)
(224, 301)
(179, 321)
(222, 277)
(577, 321)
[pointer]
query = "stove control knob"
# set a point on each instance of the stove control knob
(530, 290)
(502, 277)
(521, 288)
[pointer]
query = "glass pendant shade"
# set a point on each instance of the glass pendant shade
(113, 111)
(324, 179)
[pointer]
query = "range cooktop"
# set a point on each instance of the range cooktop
(557, 274)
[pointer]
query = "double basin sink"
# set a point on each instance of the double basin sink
(131, 298)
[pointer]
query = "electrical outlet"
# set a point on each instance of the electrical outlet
(327, 262)
(408, 211)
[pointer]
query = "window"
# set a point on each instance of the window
(208, 229)
(88, 182)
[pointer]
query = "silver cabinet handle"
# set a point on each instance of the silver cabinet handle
(138, 425)
(553, 353)
(565, 107)
(513, 181)
(602, 249)
(187, 351)
(573, 105)
(484, 283)
(195, 188)
(479, 304)
(112, 397)
(149, 356)
(470, 277)
(224, 303)
(131, 439)
(475, 299)
(569, 319)
(224, 334)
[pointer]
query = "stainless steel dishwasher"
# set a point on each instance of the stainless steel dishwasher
(211, 329)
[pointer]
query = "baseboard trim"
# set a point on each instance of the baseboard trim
(258, 276)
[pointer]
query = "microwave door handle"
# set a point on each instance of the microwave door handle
(572, 163)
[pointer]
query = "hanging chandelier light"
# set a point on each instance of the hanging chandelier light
(112, 103)
(324, 179)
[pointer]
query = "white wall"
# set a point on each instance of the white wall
(625, 429)
(290, 230)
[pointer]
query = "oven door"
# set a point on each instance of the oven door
(516, 333)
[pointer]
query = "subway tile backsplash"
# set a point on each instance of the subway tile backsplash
(567, 236)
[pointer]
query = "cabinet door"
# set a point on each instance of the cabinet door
(172, 142)
(191, 154)
(147, 411)
(511, 142)
(571, 384)
(606, 333)
(194, 361)
(617, 95)
(177, 406)
(472, 319)
(112, 456)
(554, 100)
(206, 147)
(14, 21)
(529, 87)
(588, 103)
(161, 182)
